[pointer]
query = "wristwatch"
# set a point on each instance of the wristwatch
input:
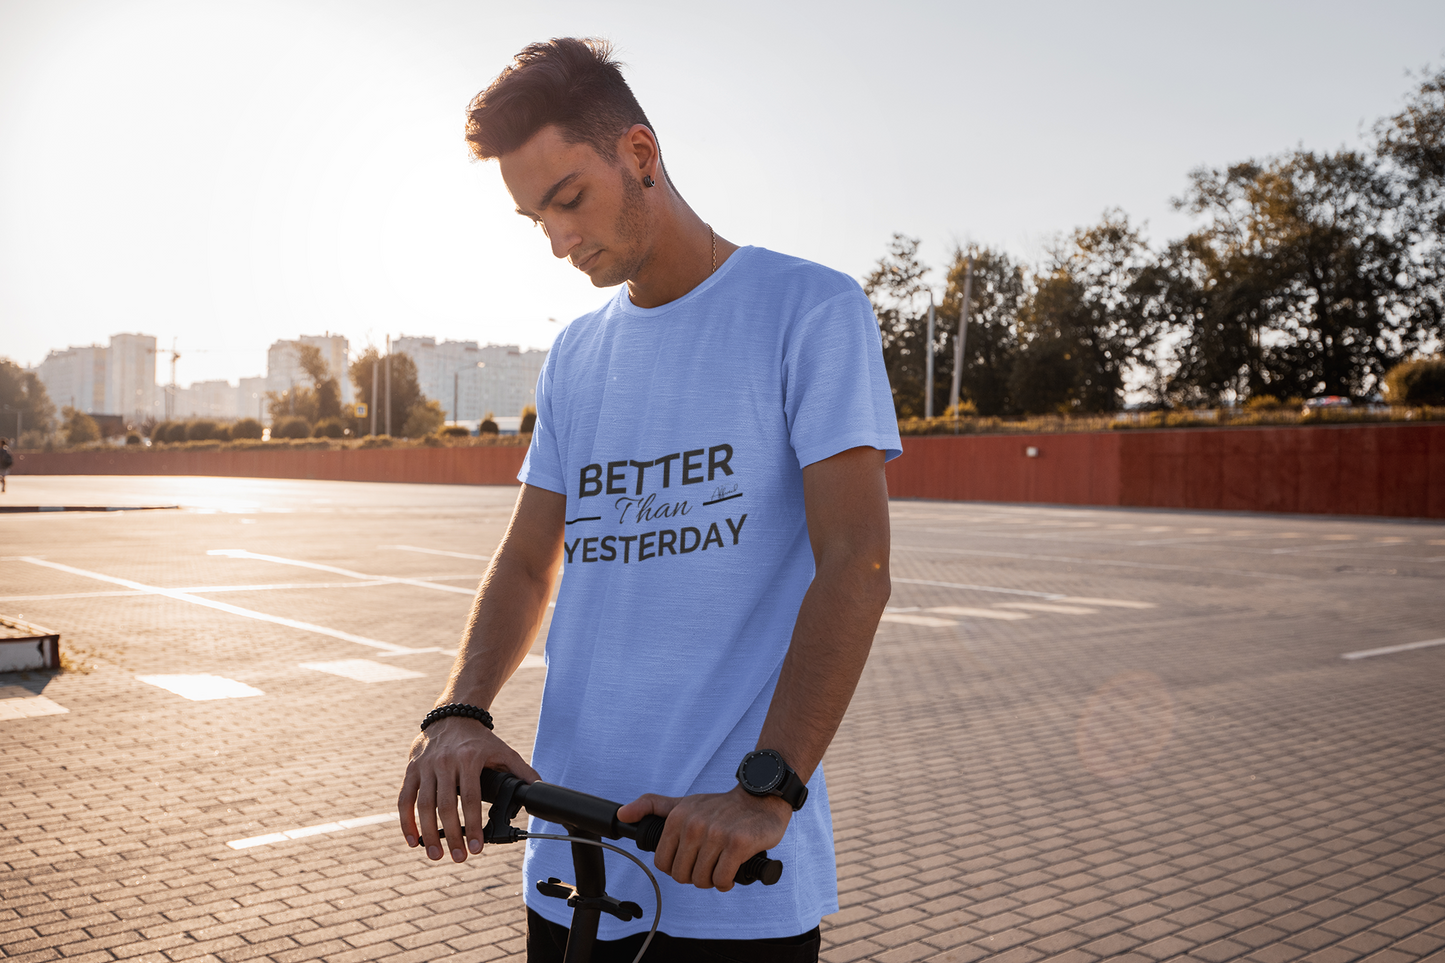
(765, 773)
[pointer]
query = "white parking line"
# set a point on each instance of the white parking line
(1392, 649)
(1056, 609)
(1077, 560)
(317, 566)
(927, 621)
(179, 596)
(201, 688)
(437, 551)
(977, 588)
(363, 670)
(1109, 603)
(17, 702)
(968, 613)
(317, 830)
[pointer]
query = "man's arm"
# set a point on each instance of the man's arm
(447, 760)
(846, 498)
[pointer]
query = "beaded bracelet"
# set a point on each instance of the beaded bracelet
(458, 709)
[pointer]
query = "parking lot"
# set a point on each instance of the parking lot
(1083, 734)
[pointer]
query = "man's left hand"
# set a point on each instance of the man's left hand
(708, 836)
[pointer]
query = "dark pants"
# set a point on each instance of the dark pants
(546, 941)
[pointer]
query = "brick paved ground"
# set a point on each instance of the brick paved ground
(1031, 770)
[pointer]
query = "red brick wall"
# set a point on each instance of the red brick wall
(1395, 470)
(450, 466)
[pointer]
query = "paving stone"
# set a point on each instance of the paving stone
(1293, 809)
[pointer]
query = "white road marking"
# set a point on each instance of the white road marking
(179, 596)
(242, 553)
(1109, 603)
(437, 551)
(530, 661)
(213, 589)
(924, 620)
(17, 702)
(363, 670)
(1056, 609)
(69, 595)
(969, 613)
(317, 830)
(201, 688)
(1077, 560)
(976, 588)
(1339, 538)
(1392, 649)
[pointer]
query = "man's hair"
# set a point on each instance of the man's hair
(574, 84)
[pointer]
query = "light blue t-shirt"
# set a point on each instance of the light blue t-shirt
(679, 435)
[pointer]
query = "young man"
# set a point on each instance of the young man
(707, 472)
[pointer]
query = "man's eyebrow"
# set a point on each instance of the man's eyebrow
(551, 193)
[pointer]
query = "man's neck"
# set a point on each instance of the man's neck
(680, 258)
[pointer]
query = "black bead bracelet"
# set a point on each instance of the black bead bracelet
(458, 709)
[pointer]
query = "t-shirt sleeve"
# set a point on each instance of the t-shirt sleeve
(836, 393)
(542, 467)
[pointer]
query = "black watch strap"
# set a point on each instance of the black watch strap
(765, 773)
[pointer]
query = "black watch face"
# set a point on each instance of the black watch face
(763, 772)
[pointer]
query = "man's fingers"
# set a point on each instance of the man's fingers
(648, 804)
(406, 808)
(426, 807)
(471, 794)
(451, 823)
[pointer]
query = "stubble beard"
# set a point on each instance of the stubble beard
(631, 237)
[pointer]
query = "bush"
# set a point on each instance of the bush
(529, 420)
(246, 428)
(488, 426)
(329, 428)
(423, 419)
(79, 427)
(291, 428)
(204, 429)
(131, 438)
(1418, 382)
(1263, 403)
(455, 431)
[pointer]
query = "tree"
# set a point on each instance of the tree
(1411, 149)
(423, 419)
(328, 392)
(899, 298)
(22, 393)
(1298, 277)
(1091, 317)
(405, 392)
(79, 427)
(997, 295)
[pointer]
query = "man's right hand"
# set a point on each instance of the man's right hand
(445, 765)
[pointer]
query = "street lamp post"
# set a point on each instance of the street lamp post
(928, 371)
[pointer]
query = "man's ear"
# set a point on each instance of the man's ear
(638, 150)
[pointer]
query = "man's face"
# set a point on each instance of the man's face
(591, 208)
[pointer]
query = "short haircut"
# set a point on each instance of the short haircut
(572, 83)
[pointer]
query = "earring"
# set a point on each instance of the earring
(647, 180)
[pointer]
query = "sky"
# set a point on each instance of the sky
(223, 175)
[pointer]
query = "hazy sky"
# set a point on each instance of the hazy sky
(228, 174)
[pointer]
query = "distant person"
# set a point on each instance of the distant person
(7, 461)
(707, 465)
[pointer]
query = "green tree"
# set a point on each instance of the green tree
(22, 392)
(1090, 321)
(997, 294)
(79, 427)
(405, 391)
(328, 392)
(1298, 278)
(900, 300)
(423, 419)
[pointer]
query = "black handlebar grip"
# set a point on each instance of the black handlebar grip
(759, 867)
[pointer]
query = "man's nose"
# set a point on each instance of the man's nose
(564, 241)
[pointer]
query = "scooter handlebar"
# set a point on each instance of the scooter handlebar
(597, 815)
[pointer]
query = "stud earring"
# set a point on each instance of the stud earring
(647, 180)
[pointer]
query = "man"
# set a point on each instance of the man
(707, 471)
(7, 461)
